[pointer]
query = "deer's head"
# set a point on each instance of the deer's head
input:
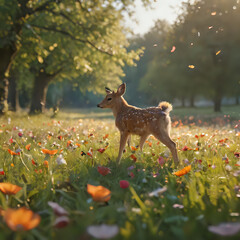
(112, 98)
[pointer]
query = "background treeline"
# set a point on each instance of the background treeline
(63, 53)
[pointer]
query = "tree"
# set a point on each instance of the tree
(205, 61)
(92, 28)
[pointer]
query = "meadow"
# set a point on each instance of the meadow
(53, 165)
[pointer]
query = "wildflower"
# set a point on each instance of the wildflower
(103, 170)
(58, 210)
(133, 157)
(2, 172)
(225, 229)
(9, 189)
(61, 222)
(103, 231)
(183, 171)
(99, 193)
(186, 148)
(124, 184)
(45, 163)
(21, 219)
(161, 161)
(13, 153)
(60, 160)
(50, 152)
(28, 147)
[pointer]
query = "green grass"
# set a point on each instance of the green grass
(208, 194)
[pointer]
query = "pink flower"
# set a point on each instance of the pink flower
(58, 210)
(225, 229)
(161, 161)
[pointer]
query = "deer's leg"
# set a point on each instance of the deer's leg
(142, 141)
(166, 140)
(123, 140)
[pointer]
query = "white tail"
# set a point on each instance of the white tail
(143, 122)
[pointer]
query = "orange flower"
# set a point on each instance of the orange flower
(28, 147)
(50, 152)
(45, 163)
(12, 152)
(10, 189)
(99, 193)
(183, 171)
(21, 219)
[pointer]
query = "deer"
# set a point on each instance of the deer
(131, 120)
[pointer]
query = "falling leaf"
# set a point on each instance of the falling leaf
(103, 170)
(225, 229)
(183, 171)
(218, 52)
(103, 231)
(21, 219)
(99, 193)
(191, 66)
(173, 49)
(123, 184)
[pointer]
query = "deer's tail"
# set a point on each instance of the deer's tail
(165, 107)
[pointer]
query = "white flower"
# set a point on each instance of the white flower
(103, 231)
(60, 160)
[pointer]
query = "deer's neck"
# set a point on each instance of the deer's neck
(120, 107)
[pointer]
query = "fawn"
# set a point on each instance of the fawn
(143, 122)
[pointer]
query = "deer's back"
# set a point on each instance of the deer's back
(139, 121)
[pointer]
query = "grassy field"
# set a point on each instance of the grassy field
(157, 204)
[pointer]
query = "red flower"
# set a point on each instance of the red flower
(186, 148)
(237, 154)
(103, 170)
(133, 157)
(101, 150)
(124, 184)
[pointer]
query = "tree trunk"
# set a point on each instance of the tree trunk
(7, 55)
(237, 100)
(217, 103)
(183, 101)
(13, 96)
(192, 101)
(39, 93)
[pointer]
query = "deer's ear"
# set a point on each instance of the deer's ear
(108, 90)
(121, 89)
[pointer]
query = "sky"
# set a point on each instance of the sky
(162, 9)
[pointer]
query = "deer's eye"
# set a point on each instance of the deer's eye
(109, 99)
